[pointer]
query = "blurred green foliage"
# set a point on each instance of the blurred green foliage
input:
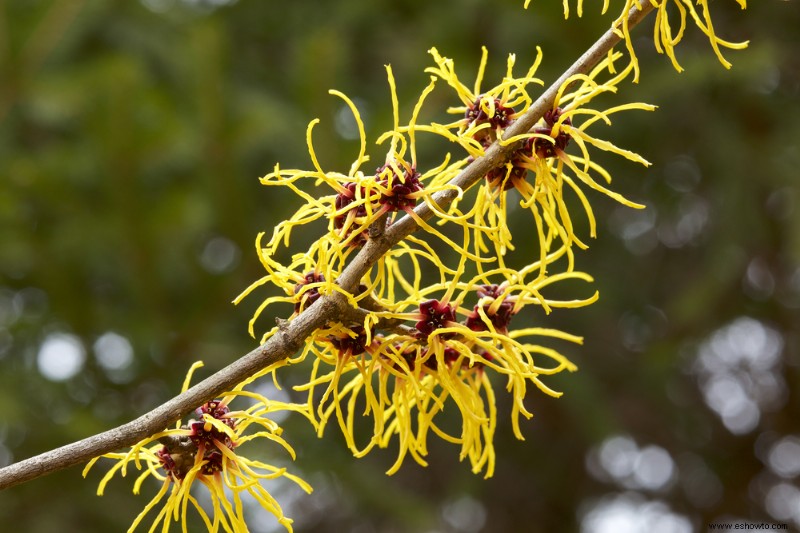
(132, 135)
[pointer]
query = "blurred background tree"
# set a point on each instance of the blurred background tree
(132, 135)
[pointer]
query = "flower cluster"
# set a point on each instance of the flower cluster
(540, 169)
(205, 451)
(405, 375)
(425, 328)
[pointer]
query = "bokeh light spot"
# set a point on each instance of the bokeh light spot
(61, 356)
(113, 351)
(739, 372)
(620, 460)
(631, 513)
(783, 502)
(784, 457)
(465, 514)
(220, 255)
(653, 468)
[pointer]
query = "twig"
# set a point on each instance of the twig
(293, 335)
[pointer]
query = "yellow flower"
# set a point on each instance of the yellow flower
(362, 199)
(205, 451)
(541, 169)
(484, 114)
(483, 338)
(360, 202)
(666, 33)
(395, 383)
(666, 37)
(403, 377)
(307, 276)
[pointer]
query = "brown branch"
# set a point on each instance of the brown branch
(292, 335)
(278, 347)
